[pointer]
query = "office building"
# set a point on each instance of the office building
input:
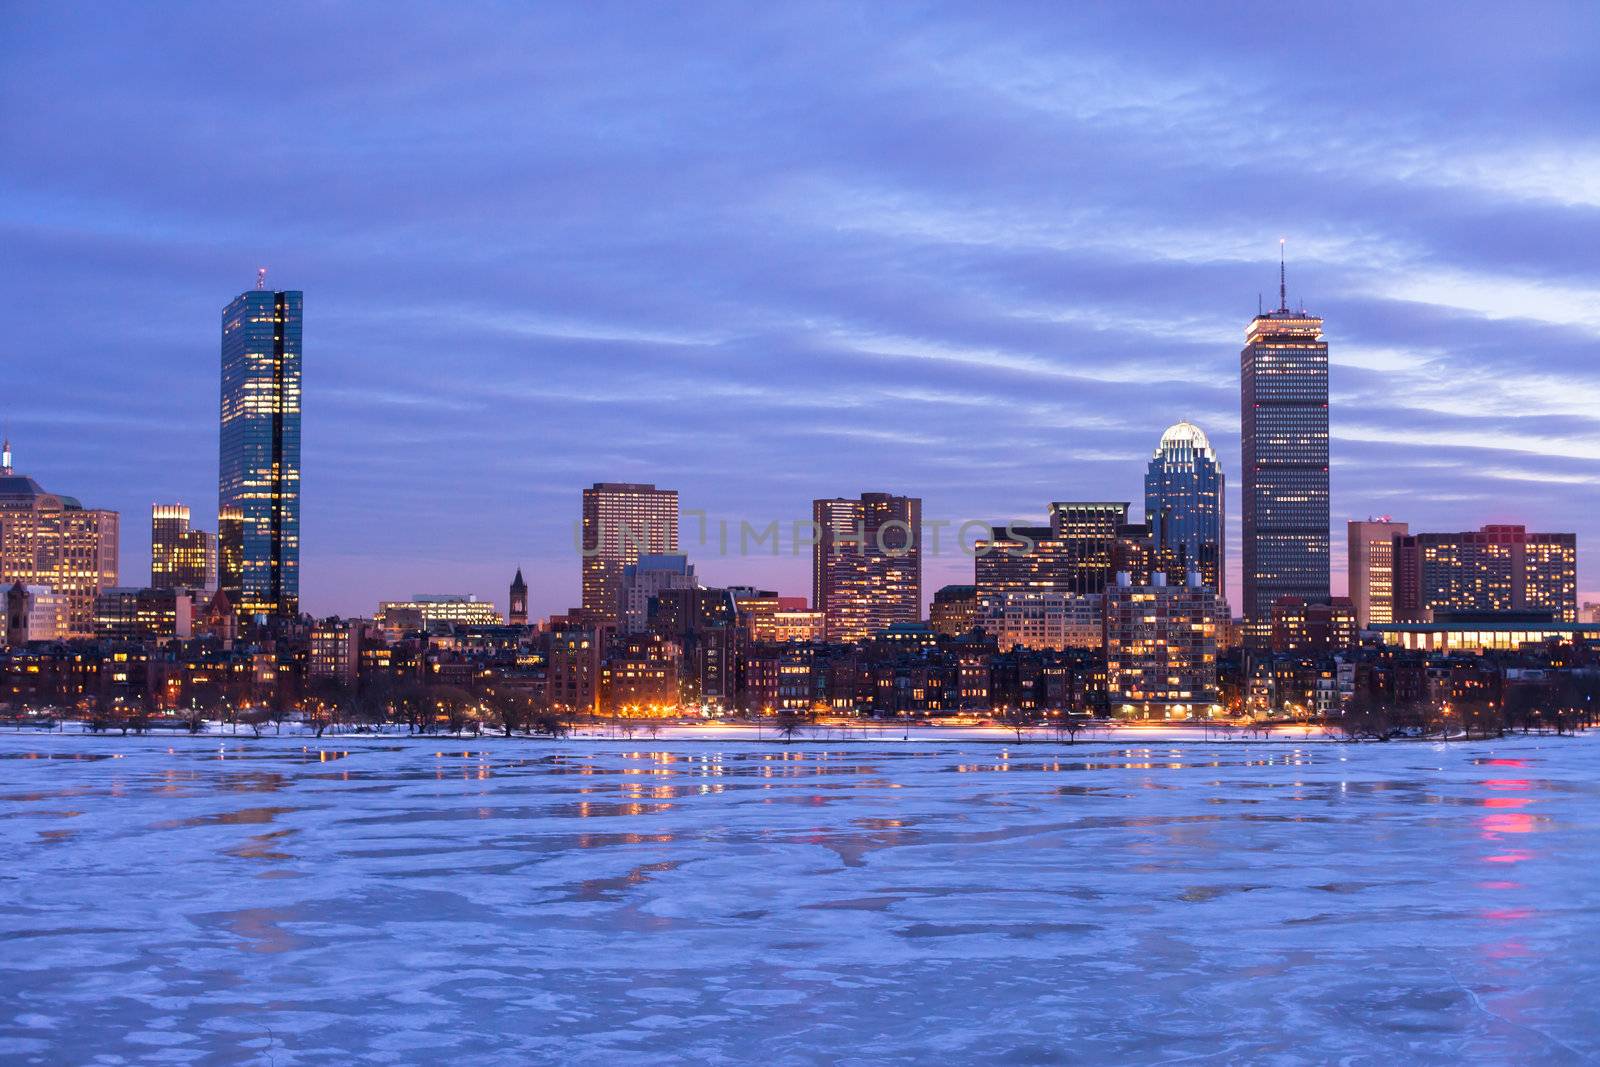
(180, 557)
(1075, 554)
(1161, 647)
(1501, 568)
(866, 564)
(55, 542)
(1283, 372)
(1369, 568)
(650, 576)
(428, 610)
(1184, 506)
(768, 618)
(621, 522)
(259, 454)
(128, 613)
(954, 610)
(34, 613)
(1088, 533)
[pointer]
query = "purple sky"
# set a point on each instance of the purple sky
(765, 253)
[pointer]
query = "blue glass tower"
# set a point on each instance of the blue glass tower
(259, 459)
(1183, 505)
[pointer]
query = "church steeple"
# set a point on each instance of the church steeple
(518, 614)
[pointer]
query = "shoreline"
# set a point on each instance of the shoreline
(750, 734)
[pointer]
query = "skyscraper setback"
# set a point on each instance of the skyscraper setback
(621, 520)
(1283, 373)
(259, 455)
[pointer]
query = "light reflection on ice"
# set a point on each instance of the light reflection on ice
(281, 901)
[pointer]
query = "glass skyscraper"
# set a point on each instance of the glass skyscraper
(1183, 506)
(259, 458)
(1283, 373)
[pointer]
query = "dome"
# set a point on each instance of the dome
(1185, 434)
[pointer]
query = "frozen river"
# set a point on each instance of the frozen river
(221, 900)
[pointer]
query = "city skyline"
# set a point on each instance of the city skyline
(960, 319)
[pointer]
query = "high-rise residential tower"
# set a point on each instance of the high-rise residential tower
(621, 521)
(180, 557)
(259, 457)
(1183, 506)
(1501, 568)
(1370, 568)
(1283, 373)
(866, 563)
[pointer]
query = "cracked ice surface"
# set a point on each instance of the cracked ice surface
(218, 900)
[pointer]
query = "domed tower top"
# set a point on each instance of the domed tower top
(1185, 434)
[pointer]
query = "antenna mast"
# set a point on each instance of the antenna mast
(261, 277)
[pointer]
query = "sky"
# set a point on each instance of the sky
(980, 254)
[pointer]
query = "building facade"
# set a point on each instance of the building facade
(180, 557)
(866, 563)
(259, 453)
(55, 542)
(1184, 507)
(650, 576)
(1054, 621)
(621, 521)
(34, 613)
(1161, 647)
(1501, 568)
(1370, 568)
(1283, 372)
(954, 610)
(129, 613)
(428, 609)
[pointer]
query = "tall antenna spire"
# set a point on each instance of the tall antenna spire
(1283, 279)
(261, 277)
(5, 457)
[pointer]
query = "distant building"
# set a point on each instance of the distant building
(1076, 554)
(1283, 372)
(335, 650)
(768, 618)
(34, 613)
(437, 608)
(55, 542)
(1370, 567)
(1497, 568)
(1184, 506)
(866, 564)
(954, 610)
(651, 575)
(1161, 647)
(621, 522)
(259, 454)
(1045, 621)
(518, 603)
(128, 613)
(1486, 631)
(1301, 627)
(1590, 612)
(230, 553)
(1088, 531)
(180, 557)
